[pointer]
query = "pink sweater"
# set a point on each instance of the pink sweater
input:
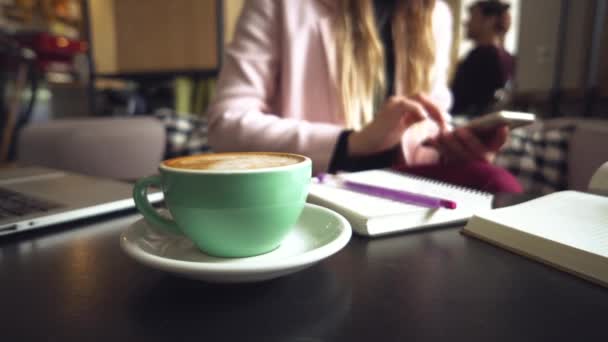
(277, 90)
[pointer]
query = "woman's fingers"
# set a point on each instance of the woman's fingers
(412, 112)
(451, 148)
(386, 129)
(475, 148)
(433, 111)
(463, 144)
(397, 115)
(498, 139)
(460, 145)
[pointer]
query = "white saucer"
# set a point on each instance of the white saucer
(319, 233)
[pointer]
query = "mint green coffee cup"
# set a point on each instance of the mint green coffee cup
(229, 204)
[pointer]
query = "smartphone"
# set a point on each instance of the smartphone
(483, 126)
(503, 117)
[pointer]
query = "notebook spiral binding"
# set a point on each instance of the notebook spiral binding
(446, 184)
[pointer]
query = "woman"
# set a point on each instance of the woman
(353, 84)
(488, 67)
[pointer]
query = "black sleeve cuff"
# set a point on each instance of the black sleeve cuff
(341, 161)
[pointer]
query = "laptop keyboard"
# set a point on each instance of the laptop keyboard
(14, 204)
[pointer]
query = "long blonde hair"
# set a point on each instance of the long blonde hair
(360, 55)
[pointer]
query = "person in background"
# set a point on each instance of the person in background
(488, 67)
(353, 84)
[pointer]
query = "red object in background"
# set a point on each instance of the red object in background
(46, 44)
(50, 49)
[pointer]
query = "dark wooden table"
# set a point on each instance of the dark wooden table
(75, 283)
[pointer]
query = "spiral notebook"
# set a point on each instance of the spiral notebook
(374, 216)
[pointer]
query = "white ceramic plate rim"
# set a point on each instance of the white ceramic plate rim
(303, 259)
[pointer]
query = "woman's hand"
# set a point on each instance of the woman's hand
(396, 115)
(462, 144)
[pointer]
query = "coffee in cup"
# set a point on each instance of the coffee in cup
(234, 161)
(230, 204)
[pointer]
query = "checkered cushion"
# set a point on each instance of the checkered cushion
(186, 134)
(538, 158)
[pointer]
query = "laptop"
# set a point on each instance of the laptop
(35, 197)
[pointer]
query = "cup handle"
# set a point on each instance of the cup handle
(140, 196)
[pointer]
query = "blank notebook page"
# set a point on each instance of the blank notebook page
(371, 206)
(571, 218)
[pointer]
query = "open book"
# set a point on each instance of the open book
(567, 230)
(599, 180)
(372, 216)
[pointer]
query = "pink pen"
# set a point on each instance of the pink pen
(392, 194)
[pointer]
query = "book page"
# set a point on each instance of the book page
(571, 218)
(599, 180)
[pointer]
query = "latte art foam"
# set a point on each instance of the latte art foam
(233, 161)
